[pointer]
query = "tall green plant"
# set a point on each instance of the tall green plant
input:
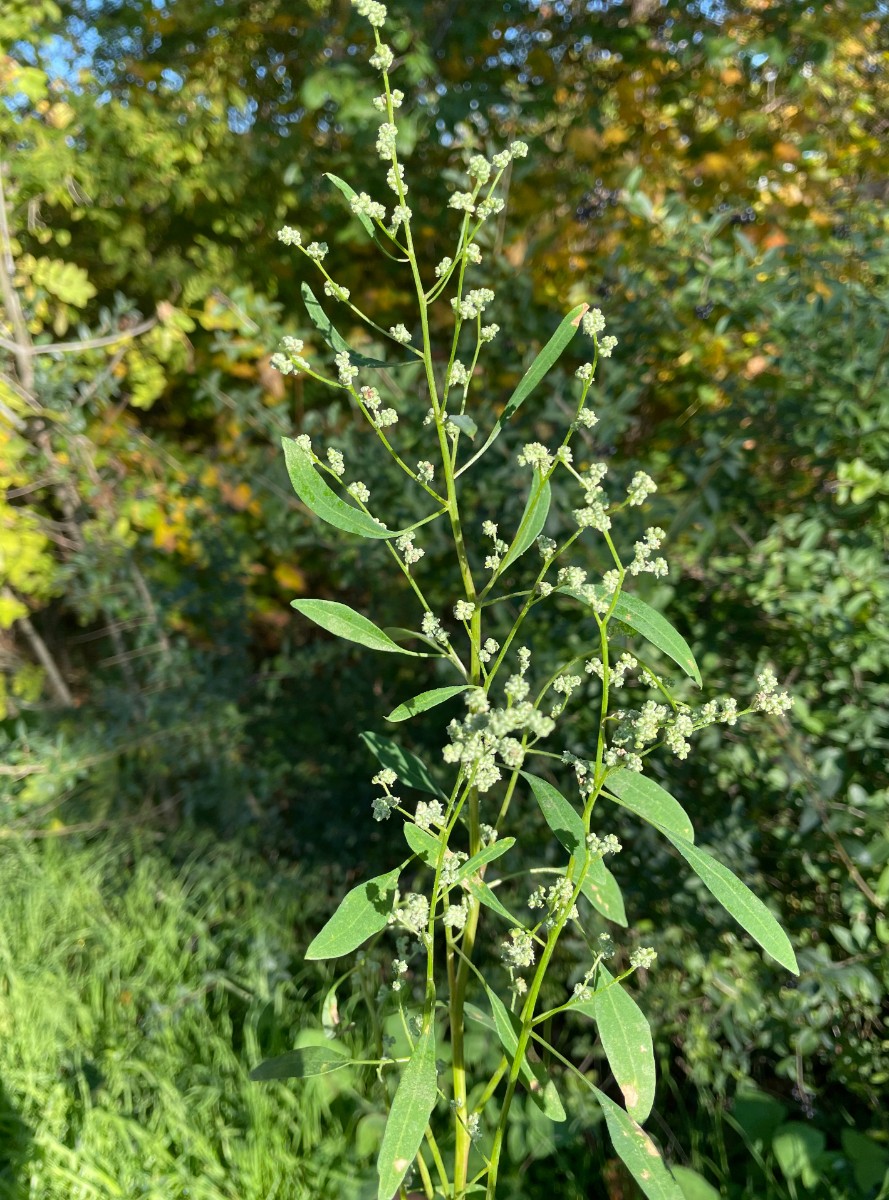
(445, 1124)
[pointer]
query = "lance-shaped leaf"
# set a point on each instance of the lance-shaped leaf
(422, 843)
(346, 623)
(638, 1152)
(533, 520)
(738, 900)
(309, 485)
(533, 1075)
(363, 218)
(603, 892)
(301, 1064)
(693, 1185)
(409, 769)
(334, 339)
(562, 818)
(600, 887)
(484, 856)
(532, 377)
(649, 801)
(626, 1040)
(409, 1115)
(362, 912)
(425, 701)
(654, 627)
(480, 891)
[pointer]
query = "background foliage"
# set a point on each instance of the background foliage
(715, 178)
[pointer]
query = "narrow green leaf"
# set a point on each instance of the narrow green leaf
(693, 1185)
(562, 818)
(484, 856)
(309, 485)
(654, 627)
(323, 324)
(300, 1064)
(532, 377)
(600, 887)
(425, 701)
(345, 622)
(480, 891)
(638, 1152)
(533, 520)
(350, 193)
(738, 900)
(409, 769)
(362, 912)
(409, 1115)
(465, 424)
(533, 1075)
(422, 843)
(626, 1040)
(649, 801)
(603, 892)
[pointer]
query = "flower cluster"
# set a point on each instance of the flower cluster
(404, 544)
(768, 699)
(642, 561)
(484, 735)
(473, 303)
(384, 805)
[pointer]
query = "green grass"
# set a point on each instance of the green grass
(138, 985)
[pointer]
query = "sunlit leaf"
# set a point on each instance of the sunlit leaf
(344, 622)
(654, 627)
(533, 1074)
(425, 701)
(309, 485)
(738, 900)
(626, 1040)
(362, 912)
(649, 800)
(532, 522)
(544, 361)
(638, 1152)
(409, 1115)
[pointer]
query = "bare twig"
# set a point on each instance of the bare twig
(41, 650)
(112, 339)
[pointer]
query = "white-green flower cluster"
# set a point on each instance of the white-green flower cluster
(384, 805)
(555, 900)
(462, 201)
(382, 58)
(463, 610)
(335, 290)
(585, 419)
(336, 461)
(518, 949)
(488, 650)
(400, 334)
(479, 169)
(641, 487)
(429, 813)
(473, 303)
(375, 12)
(432, 628)
(290, 236)
(592, 322)
(401, 214)
(443, 267)
(412, 914)
(535, 455)
(768, 699)
(585, 372)
(643, 957)
(345, 371)
(455, 915)
(425, 471)
(642, 561)
(395, 179)
(488, 333)
(290, 359)
(362, 205)
(458, 376)
(386, 138)
(317, 251)
(359, 490)
(602, 846)
(606, 345)
(485, 735)
(404, 544)
(397, 95)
